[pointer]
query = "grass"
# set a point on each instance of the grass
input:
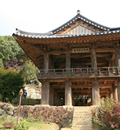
(34, 126)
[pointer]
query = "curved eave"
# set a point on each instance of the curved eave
(70, 38)
(20, 32)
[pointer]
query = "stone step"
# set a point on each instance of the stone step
(76, 120)
(79, 117)
(82, 118)
(82, 127)
(85, 121)
(81, 108)
(80, 111)
(82, 114)
(83, 124)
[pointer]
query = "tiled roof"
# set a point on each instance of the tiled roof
(52, 34)
(67, 35)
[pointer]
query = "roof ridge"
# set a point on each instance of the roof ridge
(79, 16)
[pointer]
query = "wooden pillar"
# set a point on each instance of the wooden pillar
(115, 93)
(95, 93)
(93, 59)
(45, 84)
(118, 89)
(68, 93)
(46, 62)
(111, 93)
(45, 93)
(68, 90)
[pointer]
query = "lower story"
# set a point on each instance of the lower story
(79, 92)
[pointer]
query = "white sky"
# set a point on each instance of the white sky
(45, 15)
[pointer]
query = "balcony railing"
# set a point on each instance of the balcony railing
(79, 72)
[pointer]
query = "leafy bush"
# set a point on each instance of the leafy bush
(110, 114)
(22, 126)
(10, 84)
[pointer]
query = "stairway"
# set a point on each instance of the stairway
(82, 118)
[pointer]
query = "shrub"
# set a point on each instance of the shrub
(10, 84)
(110, 114)
(21, 126)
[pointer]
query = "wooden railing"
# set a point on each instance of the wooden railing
(79, 72)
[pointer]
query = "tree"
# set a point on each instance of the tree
(9, 48)
(29, 71)
(10, 83)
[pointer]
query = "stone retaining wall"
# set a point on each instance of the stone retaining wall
(60, 115)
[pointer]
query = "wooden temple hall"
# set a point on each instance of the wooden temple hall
(78, 61)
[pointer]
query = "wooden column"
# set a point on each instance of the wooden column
(115, 93)
(45, 84)
(68, 93)
(118, 89)
(46, 62)
(45, 93)
(93, 59)
(111, 93)
(95, 93)
(68, 89)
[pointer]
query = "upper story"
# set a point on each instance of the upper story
(80, 45)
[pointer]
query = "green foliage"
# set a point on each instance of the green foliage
(32, 118)
(109, 114)
(107, 104)
(9, 48)
(1, 63)
(22, 126)
(10, 83)
(29, 71)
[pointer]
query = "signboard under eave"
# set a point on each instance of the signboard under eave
(80, 50)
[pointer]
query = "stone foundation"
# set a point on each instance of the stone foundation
(61, 115)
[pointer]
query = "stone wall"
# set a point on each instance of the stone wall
(60, 115)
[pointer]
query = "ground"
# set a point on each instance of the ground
(39, 126)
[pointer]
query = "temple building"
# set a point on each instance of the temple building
(78, 60)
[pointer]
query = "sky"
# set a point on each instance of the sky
(42, 16)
